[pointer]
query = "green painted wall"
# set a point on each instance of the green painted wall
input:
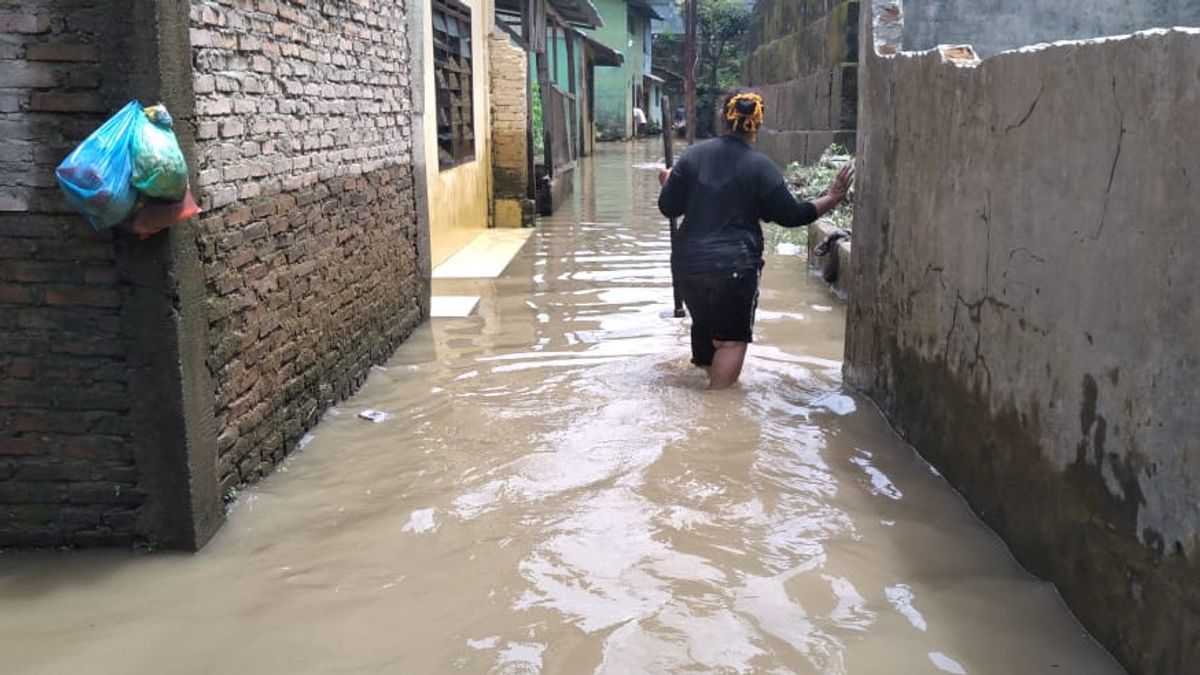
(615, 86)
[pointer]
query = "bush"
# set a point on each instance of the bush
(808, 183)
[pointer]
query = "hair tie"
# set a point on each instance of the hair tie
(745, 111)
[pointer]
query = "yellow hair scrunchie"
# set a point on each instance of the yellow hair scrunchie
(748, 123)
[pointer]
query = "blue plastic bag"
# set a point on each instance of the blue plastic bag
(96, 177)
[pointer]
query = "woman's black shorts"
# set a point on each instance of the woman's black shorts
(722, 308)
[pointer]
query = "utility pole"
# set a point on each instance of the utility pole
(689, 68)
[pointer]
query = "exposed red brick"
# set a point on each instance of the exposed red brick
(89, 347)
(30, 271)
(22, 446)
(19, 74)
(87, 297)
(98, 448)
(51, 421)
(57, 102)
(18, 294)
(24, 23)
(61, 51)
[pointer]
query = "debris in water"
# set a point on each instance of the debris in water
(484, 643)
(787, 248)
(375, 416)
(420, 521)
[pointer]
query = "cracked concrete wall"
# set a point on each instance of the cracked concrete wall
(1023, 308)
(992, 26)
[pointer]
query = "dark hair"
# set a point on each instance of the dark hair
(745, 108)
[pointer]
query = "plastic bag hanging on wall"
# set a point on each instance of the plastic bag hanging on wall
(159, 169)
(95, 177)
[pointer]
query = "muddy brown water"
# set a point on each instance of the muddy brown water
(556, 493)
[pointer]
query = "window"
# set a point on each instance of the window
(452, 75)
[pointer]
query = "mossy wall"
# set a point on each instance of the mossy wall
(804, 60)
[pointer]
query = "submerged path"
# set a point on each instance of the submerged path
(555, 493)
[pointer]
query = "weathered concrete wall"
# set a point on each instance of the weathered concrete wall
(803, 58)
(992, 26)
(1023, 308)
(310, 244)
(510, 158)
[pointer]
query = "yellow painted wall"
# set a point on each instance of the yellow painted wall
(458, 197)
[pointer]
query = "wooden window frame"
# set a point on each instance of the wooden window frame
(453, 74)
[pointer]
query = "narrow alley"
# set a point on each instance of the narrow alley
(554, 492)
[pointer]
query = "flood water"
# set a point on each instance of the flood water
(555, 492)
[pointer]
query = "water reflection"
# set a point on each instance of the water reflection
(555, 492)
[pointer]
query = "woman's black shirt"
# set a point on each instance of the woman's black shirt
(723, 188)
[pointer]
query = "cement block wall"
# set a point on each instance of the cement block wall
(1023, 308)
(803, 58)
(310, 240)
(992, 26)
(510, 142)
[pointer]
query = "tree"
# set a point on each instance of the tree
(722, 26)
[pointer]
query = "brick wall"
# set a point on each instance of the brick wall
(309, 240)
(67, 470)
(510, 167)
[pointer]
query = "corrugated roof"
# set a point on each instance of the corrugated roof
(644, 8)
(604, 55)
(578, 12)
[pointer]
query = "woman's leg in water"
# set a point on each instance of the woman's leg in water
(727, 364)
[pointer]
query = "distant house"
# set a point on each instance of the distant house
(541, 46)
(618, 91)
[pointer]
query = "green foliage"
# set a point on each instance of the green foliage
(722, 27)
(539, 144)
(809, 183)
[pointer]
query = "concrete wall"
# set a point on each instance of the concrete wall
(992, 26)
(460, 197)
(1023, 308)
(510, 158)
(803, 58)
(310, 242)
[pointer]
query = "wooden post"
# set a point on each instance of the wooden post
(574, 90)
(669, 160)
(689, 68)
(527, 12)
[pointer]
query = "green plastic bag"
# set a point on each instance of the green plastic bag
(159, 169)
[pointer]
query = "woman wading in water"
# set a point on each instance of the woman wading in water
(723, 188)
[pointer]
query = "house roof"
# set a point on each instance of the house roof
(578, 12)
(644, 8)
(665, 74)
(603, 55)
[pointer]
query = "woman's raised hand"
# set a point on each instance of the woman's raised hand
(843, 182)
